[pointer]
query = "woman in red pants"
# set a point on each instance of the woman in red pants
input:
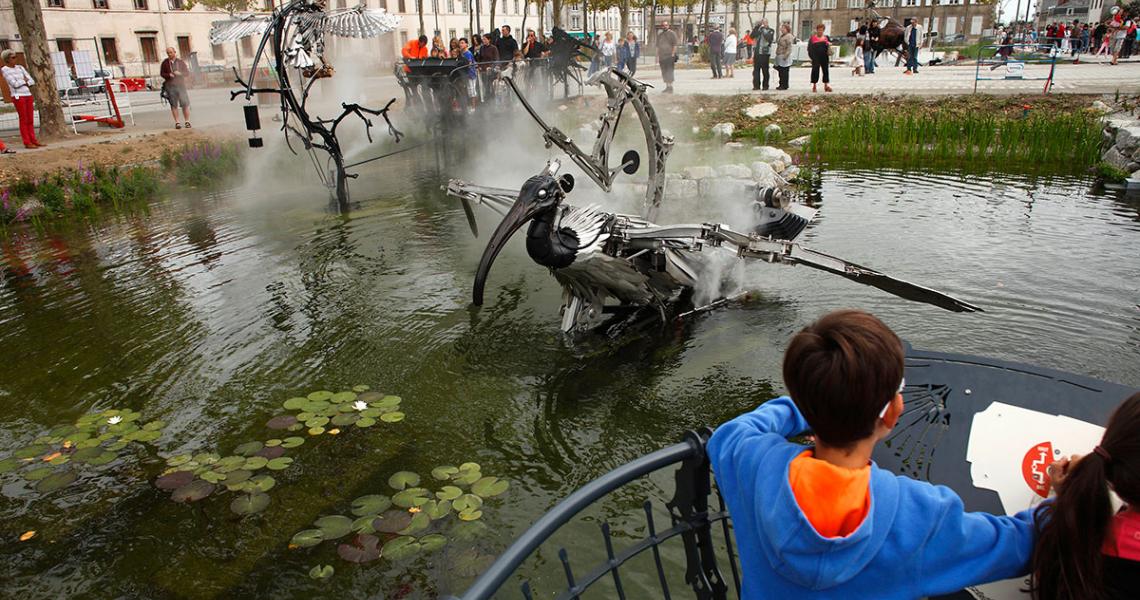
(20, 82)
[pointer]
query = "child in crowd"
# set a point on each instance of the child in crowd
(857, 60)
(824, 521)
(1084, 550)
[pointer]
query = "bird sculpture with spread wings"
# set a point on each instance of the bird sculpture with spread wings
(295, 35)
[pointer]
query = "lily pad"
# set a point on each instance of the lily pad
(470, 514)
(31, 451)
(321, 572)
(488, 487)
(392, 521)
(237, 476)
(173, 481)
(206, 458)
(56, 481)
(345, 419)
(388, 401)
(270, 452)
(334, 526)
(410, 497)
(392, 417)
(370, 505)
(8, 465)
(212, 476)
(103, 458)
(263, 483)
(295, 403)
(249, 448)
(316, 430)
(254, 463)
(370, 397)
(467, 477)
(292, 442)
(279, 463)
(364, 548)
(470, 466)
(467, 502)
(193, 491)
(307, 538)
(401, 547)
(38, 473)
(360, 389)
(317, 422)
(321, 395)
(281, 422)
(432, 542)
(364, 524)
(342, 397)
(143, 436)
(437, 509)
(420, 522)
(443, 473)
(365, 422)
(403, 479)
(154, 425)
(448, 492)
(248, 504)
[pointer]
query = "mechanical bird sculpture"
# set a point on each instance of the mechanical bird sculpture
(295, 34)
(610, 264)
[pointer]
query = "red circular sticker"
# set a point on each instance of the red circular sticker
(1034, 468)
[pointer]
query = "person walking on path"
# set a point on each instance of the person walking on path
(19, 83)
(730, 50)
(629, 52)
(912, 36)
(764, 36)
(873, 33)
(857, 59)
(784, 55)
(667, 56)
(716, 51)
(819, 52)
(609, 49)
(174, 73)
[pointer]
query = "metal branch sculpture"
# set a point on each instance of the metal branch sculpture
(295, 35)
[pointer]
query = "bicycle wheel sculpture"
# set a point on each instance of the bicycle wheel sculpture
(295, 34)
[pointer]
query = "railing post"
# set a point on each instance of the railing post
(690, 504)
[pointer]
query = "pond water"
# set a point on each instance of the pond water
(211, 311)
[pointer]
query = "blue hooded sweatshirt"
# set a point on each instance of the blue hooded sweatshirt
(916, 540)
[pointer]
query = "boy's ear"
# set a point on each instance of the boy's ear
(894, 412)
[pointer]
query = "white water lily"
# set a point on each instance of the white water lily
(115, 420)
(360, 405)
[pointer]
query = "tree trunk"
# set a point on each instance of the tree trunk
(623, 17)
(471, 21)
(30, 22)
(736, 14)
(705, 18)
(966, 22)
(556, 18)
(491, 26)
(420, 10)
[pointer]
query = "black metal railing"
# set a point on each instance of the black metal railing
(690, 516)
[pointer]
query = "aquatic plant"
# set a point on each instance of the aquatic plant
(56, 459)
(945, 134)
(81, 190)
(246, 471)
(203, 164)
(413, 520)
(1110, 173)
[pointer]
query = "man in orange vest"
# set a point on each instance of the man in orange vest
(414, 50)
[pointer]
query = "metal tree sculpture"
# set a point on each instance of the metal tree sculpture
(295, 34)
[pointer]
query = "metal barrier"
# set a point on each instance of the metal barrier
(1003, 55)
(689, 511)
(112, 98)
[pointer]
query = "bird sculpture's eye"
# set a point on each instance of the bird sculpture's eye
(541, 193)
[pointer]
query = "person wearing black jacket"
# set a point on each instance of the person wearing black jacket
(506, 44)
(873, 33)
(764, 37)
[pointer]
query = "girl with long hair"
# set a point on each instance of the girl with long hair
(1085, 550)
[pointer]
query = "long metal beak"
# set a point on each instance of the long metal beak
(521, 212)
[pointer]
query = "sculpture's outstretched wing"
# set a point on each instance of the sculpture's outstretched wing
(232, 30)
(356, 22)
(697, 237)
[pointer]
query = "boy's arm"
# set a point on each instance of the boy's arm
(971, 548)
(778, 417)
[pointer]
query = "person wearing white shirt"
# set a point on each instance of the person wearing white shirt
(609, 49)
(19, 83)
(730, 43)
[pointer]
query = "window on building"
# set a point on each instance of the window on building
(184, 46)
(5, 44)
(110, 50)
(886, 3)
(340, 3)
(575, 22)
(55, 3)
(827, 4)
(100, 4)
(140, 5)
(462, 7)
(517, 11)
(247, 46)
(149, 47)
(401, 6)
(910, 2)
(177, 5)
(218, 51)
(268, 5)
(450, 35)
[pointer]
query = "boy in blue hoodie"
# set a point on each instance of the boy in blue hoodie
(826, 522)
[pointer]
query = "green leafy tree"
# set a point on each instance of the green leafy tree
(229, 6)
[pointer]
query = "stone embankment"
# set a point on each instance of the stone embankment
(1122, 143)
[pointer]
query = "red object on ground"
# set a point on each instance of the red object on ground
(115, 121)
(134, 84)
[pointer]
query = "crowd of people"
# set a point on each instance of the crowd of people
(1117, 36)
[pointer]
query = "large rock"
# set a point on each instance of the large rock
(723, 130)
(791, 173)
(761, 110)
(698, 172)
(735, 171)
(1116, 159)
(800, 142)
(764, 174)
(778, 166)
(772, 131)
(1127, 139)
(1100, 107)
(743, 189)
(683, 189)
(734, 145)
(770, 154)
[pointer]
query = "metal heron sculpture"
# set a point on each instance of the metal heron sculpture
(295, 34)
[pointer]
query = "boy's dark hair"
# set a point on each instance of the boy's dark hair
(841, 371)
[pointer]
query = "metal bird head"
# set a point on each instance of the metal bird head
(540, 194)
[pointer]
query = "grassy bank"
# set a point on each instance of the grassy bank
(86, 190)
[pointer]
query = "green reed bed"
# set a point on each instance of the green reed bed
(1069, 139)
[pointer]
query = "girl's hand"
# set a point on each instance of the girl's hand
(1058, 470)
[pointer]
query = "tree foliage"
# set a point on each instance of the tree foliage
(229, 6)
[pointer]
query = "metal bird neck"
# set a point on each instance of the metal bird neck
(548, 244)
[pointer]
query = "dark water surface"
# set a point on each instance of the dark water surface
(210, 311)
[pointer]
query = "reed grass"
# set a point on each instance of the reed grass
(1067, 139)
